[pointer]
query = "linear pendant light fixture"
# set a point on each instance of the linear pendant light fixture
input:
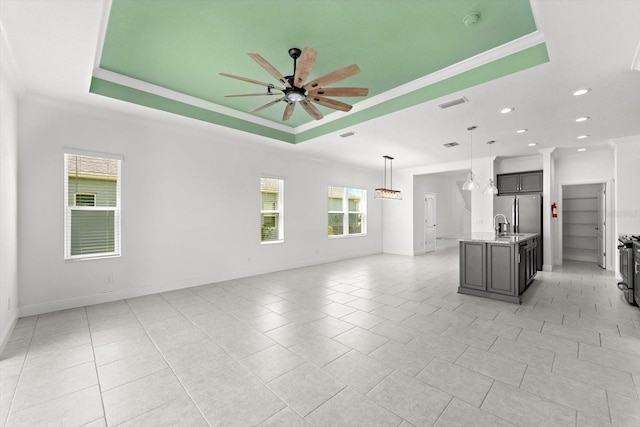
(387, 193)
(491, 188)
(471, 184)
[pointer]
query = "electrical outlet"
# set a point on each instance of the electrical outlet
(249, 260)
(9, 303)
(109, 278)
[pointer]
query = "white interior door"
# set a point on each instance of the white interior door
(429, 222)
(600, 228)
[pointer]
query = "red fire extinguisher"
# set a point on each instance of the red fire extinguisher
(554, 211)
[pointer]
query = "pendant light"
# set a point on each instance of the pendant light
(471, 184)
(491, 188)
(387, 193)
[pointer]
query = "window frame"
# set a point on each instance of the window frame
(279, 212)
(346, 211)
(117, 232)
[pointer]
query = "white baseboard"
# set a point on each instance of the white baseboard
(547, 267)
(6, 332)
(50, 306)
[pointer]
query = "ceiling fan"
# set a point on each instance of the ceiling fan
(295, 89)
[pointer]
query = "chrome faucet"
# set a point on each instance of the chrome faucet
(497, 227)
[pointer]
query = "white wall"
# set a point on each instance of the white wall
(8, 204)
(518, 164)
(627, 170)
(453, 206)
(190, 206)
(397, 215)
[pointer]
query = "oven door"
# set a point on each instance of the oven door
(636, 272)
(624, 263)
(627, 271)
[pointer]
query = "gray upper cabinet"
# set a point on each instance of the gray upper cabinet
(523, 182)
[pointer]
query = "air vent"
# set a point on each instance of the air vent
(451, 144)
(453, 103)
(347, 135)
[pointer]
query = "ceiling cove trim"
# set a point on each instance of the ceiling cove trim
(102, 32)
(518, 61)
(476, 61)
(163, 92)
(499, 52)
(484, 58)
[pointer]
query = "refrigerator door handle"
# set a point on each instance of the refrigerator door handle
(517, 223)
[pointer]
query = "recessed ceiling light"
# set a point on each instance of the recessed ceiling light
(521, 131)
(506, 110)
(581, 92)
(532, 144)
(582, 119)
(582, 149)
(583, 136)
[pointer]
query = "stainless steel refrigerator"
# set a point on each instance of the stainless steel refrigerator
(524, 212)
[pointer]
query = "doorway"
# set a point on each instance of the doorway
(583, 223)
(430, 214)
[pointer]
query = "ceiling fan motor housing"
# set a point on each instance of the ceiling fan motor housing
(295, 91)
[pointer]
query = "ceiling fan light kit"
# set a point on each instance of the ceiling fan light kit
(295, 89)
(387, 193)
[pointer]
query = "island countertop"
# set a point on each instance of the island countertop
(488, 237)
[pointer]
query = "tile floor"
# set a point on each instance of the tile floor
(377, 341)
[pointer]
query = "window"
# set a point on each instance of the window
(92, 206)
(347, 211)
(271, 210)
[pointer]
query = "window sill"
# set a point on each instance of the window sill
(91, 258)
(272, 242)
(347, 236)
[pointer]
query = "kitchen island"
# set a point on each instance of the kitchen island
(498, 266)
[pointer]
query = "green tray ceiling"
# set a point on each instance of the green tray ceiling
(183, 45)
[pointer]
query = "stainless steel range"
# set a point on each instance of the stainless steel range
(636, 269)
(628, 267)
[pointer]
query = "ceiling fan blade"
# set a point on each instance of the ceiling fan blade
(245, 79)
(333, 77)
(252, 94)
(311, 109)
(269, 68)
(268, 104)
(331, 103)
(288, 111)
(340, 91)
(305, 64)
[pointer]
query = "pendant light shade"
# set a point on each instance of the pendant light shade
(471, 184)
(387, 193)
(491, 189)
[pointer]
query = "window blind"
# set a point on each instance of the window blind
(92, 206)
(271, 210)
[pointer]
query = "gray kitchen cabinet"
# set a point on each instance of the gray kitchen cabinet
(472, 265)
(508, 183)
(501, 269)
(523, 182)
(498, 267)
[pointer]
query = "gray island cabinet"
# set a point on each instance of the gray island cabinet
(498, 266)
